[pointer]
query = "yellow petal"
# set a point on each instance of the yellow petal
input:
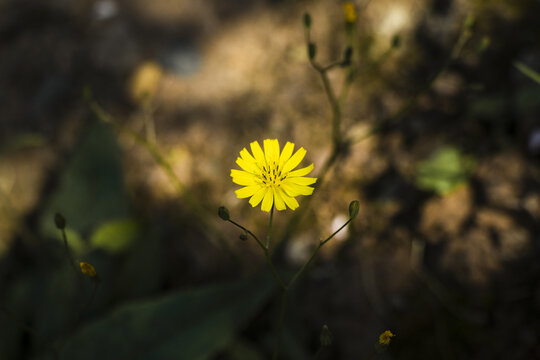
(290, 201)
(295, 190)
(268, 200)
(278, 199)
(286, 154)
(271, 151)
(248, 166)
(247, 191)
(244, 153)
(258, 154)
(294, 160)
(301, 180)
(258, 196)
(244, 178)
(300, 172)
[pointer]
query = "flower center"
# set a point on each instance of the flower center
(272, 175)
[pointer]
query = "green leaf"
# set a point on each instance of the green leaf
(91, 187)
(445, 170)
(189, 324)
(527, 71)
(116, 236)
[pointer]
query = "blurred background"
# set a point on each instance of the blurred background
(441, 145)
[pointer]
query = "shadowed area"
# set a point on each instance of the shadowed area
(126, 117)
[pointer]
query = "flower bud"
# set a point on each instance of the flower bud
(243, 236)
(307, 20)
(60, 221)
(347, 55)
(353, 209)
(87, 269)
(396, 41)
(223, 213)
(312, 51)
(385, 337)
(326, 336)
(350, 12)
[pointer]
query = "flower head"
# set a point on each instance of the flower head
(385, 337)
(87, 269)
(350, 12)
(268, 175)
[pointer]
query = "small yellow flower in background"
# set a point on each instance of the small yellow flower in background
(268, 175)
(350, 12)
(385, 337)
(87, 269)
(145, 81)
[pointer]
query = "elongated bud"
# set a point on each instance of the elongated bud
(396, 41)
(347, 55)
(223, 213)
(350, 12)
(353, 209)
(307, 21)
(312, 51)
(59, 221)
(326, 336)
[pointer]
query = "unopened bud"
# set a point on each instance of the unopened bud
(60, 221)
(347, 55)
(326, 336)
(223, 213)
(243, 236)
(307, 20)
(312, 51)
(353, 209)
(396, 41)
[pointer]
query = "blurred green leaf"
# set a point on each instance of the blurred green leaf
(445, 170)
(22, 141)
(115, 236)
(242, 350)
(527, 71)
(189, 324)
(91, 188)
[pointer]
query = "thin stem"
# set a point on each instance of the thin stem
(250, 233)
(274, 271)
(92, 296)
(315, 251)
(266, 254)
(68, 252)
(282, 311)
(200, 212)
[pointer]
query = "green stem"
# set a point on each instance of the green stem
(315, 251)
(68, 252)
(200, 212)
(250, 233)
(266, 254)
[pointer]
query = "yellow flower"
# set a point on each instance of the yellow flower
(350, 12)
(269, 177)
(87, 269)
(385, 337)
